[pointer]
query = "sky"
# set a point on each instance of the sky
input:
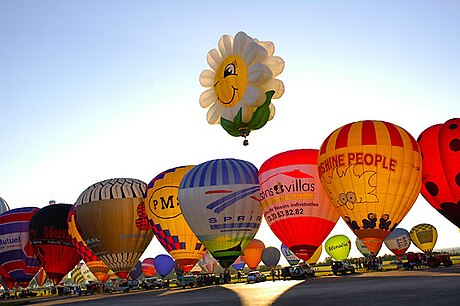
(91, 90)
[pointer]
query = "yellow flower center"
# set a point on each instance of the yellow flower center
(230, 81)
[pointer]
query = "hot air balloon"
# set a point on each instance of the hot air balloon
(6, 278)
(97, 266)
(296, 207)
(291, 258)
(362, 248)
(40, 277)
(271, 256)
(164, 264)
(241, 84)
(51, 242)
(338, 247)
(440, 146)
(136, 271)
(17, 257)
(220, 201)
(424, 237)
(76, 276)
(148, 267)
(252, 254)
(107, 213)
(3, 206)
(315, 257)
(239, 264)
(398, 242)
(167, 221)
(372, 172)
(208, 263)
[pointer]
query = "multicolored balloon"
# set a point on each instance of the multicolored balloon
(208, 263)
(315, 257)
(94, 263)
(398, 242)
(440, 145)
(220, 201)
(17, 257)
(164, 264)
(296, 206)
(51, 242)
(372, 172)
(291, 258)
(424, 236)
(271, 256)
(107, 213)
(166, 219)
(148, 267)
(338, 247)
(3, 206)
(241, 84)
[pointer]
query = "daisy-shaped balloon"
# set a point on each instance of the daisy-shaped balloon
(241, 84)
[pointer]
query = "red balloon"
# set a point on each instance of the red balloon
(440, 146)
(52, 244)
(148, 267)
(295, 204)
(9, 282)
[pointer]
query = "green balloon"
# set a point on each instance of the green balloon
(338, 247)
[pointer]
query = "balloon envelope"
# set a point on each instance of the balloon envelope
(6, 278)
(372, 172)
(424, 237)
(440, 145)
(208, 263)
(164, 264)
(17, 257)
(315, 257)
(296, 206)
(362, 248)
(291, 258)
(338, 247)
(136, 271)
(220, 201)
(3, 206)
(271, 256)
(51, 242)
(94, 263)
(398, 242)
(148, 267)
(239, 264)
(252, 254)
(166, 219)
(107, 213)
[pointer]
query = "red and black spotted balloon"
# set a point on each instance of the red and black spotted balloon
(440, 145)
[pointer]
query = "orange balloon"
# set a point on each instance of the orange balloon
(252, 255)
(372, 171)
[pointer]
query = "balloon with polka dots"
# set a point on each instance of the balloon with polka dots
(440, 146)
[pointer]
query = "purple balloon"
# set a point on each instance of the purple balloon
(136, 271)
(164, 264)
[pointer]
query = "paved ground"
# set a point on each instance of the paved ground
(440, 286)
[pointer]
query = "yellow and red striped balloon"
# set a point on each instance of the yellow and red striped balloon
(372, 172)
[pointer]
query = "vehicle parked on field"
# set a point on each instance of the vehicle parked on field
(255, 277)
(300, 271)
(187, 281)
(342, 267)
(415, 260)
(153, 282)
(439, 259)
(207, 279)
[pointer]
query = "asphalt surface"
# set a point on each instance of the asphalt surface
(439, 286)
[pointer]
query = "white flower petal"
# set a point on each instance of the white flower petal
(207, 78)
(272, 112)
(240, 43)
(214, 59)
(275, 63)
(229, 113)
(253, 96)
(276, 85)
(247, 113)
(259, 74)
(254, 54)
(214, 113)
(207, 98)
(269, 46)
(226, 46)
